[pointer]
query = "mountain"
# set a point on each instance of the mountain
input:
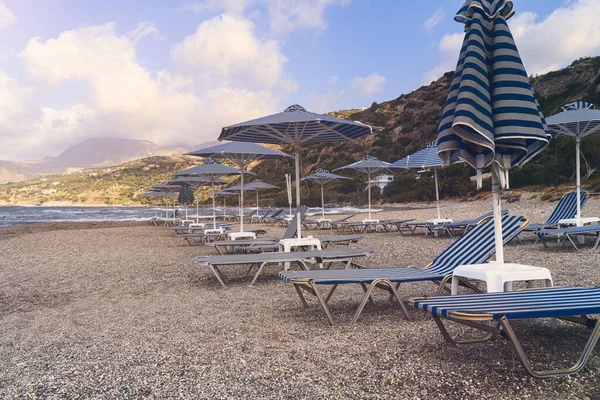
(92, 152)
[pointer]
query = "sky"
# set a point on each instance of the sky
(175, 72)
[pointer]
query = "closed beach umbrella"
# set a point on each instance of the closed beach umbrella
(369, 165)
(186, 197)
(491, 117)
(257, 185)
(578, 120)
(323, 177)
(211, 169)
(425, 159)
(242, 155)
(295, 126)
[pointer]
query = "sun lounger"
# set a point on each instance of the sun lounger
(317, 224)
(303, 258)
(204, 238)
(566, 234)
(273, 218)
(452, 227)
(400, 225)
(181, 230)
(272, 244)
(486, 311)
(473, 247)
(260, 218)
(565, 209)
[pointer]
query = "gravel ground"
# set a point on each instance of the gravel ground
(121, 311)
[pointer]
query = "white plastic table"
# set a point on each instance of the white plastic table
(212, 231)
(288, 244)
(241, 235)
(437, 221)
(499, 279)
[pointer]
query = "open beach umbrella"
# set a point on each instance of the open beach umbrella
(425, 160)
(295, 126)
(578, 119)
(160, 194)
(225, 193)
(322, 177)
(239, 189)
(211, 169)
(491, 116)
(242, 155)
(257, 185)
(369, 165)
(196, 182)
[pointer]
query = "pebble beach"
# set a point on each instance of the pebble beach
(120, 310)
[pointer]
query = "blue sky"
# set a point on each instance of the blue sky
(176, 71)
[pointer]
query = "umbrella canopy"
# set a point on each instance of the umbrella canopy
(186, 194)
(425, 159)
(159, 194)
(295, 126)
(210, 170)
(578, 119)
(369, 165)
(257, 185)
(322, 177)
(491, 115)
(241, 154)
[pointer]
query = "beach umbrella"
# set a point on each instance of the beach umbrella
(172, 190)
(160, 194)
(240, 189)
(369, 165)
(257, 185)
(295, 126)
(491, 116)
(323, 177)
(186, 197)
(424, 160)
(225, 193)
(242, 155)
(211, 169)
(578, 119)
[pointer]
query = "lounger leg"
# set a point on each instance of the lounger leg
(217, 273)
(302, 298)
(453, 340)
(330, 293)
(572, 242)
(364, 288)
(262, 265)
(372, 286)
(249, 270)
(322, 302)
(583, 359)
(597, 242)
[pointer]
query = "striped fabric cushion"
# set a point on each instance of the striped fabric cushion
(566, 208)
(475, 246)
(553, 302)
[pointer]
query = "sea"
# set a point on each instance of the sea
(18, 215)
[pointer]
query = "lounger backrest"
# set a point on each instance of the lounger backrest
(291, 231)
(477, 245)
(344, 219)
(566, 208)
(265, 215)
(276, 213)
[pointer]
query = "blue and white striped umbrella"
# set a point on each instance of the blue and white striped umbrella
(322, 176)
(425, 159)
(295, 126)
(577, 119)
(491, 115)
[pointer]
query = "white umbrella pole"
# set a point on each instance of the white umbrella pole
(369, 189)
(257, 209)
(437, 193)
(577, 168)
(212, 183)
(297, 162)
(242, 197)
(197, 209)
(322, 204)
(497, 209)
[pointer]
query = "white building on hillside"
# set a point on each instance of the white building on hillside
(381, 181)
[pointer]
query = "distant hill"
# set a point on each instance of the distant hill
(92, 152)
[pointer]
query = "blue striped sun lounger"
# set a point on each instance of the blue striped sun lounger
(565, 209)
(473, 247)
(491, 312)
(566, 234)
(452, 227)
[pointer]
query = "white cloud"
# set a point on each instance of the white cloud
(333, 79)
(283, 16)
(142, 30)
(568, 33)
(122, 98)
(226, 49)
(436, 18)
(325, 102)
(368, 85)
(7, 18)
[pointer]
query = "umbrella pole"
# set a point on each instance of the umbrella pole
(577, 168)
(297, 162)
(322, 204)
(369, 189)
(437, 193)
(257, 209)
(212, 183)
(497, 209)
(242, 197)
